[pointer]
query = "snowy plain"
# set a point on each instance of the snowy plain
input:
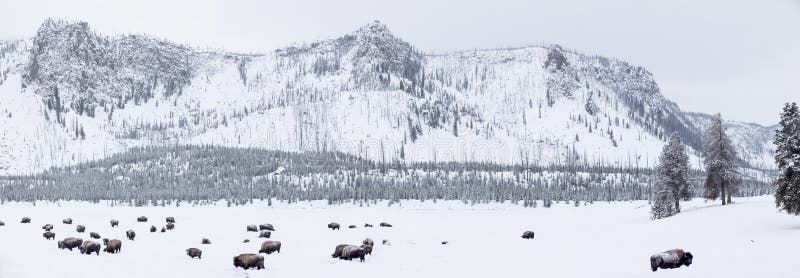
(749, 238)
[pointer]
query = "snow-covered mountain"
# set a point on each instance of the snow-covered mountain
(70, 95)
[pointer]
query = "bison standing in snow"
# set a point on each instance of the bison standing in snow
(528, 235)
(387, 225)
(252, 228)
(170, 219)
(94, 235)
(369, 242)
(141, 219)
(2, 223)
(248, 261)
(49, 235)
(67, 221)
(80, 228)
(267, 227)
(351, 252)
(90, 246)
(265, 234)
(113, 246)
(47, 227)
(270, 246)
(194, 253)
(333, 226)
(114, 223)
(130, 234)
(205, 241)
(670, 259)
(170, 226)
(69, 243)
(25, 220)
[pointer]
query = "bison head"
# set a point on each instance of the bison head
(687, 259)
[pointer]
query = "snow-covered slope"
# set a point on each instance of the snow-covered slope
(71, 95)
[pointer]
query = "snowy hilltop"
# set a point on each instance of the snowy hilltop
(71, 95)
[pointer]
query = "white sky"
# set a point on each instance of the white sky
(739, 57)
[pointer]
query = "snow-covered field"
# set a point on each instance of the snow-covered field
(747, 239)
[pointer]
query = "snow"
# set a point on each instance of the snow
(746, 239)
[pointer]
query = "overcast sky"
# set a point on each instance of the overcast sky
(739, 57)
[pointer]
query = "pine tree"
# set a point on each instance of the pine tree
(673, 170)
(787, 156)
(720, 158)
(663, 201)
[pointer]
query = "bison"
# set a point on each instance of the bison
(90, 246)
(252, 228)
(351, 252)
(527, 235)
(248, 261)
(352, 227)
(368, 241)
(70, 243)
(113, 246)
(265, 234)
(94, 235)
(384, 224)
(67, 221)
(163, 229)
(246, 241)
(170, 219)
(141, 219)
(670, 259)
(333, 226)
(367, 225)
(2, 223)
(387, 242)
(80, 228)
(153, 229)
(337, 252)
(170, 226)
(49, 235)
(114, 223)
(47, 227)
(25, 220)
(130, 234)
(194, 253)
(367, 249)
(267, 227)
(270, 246)
(205, 241)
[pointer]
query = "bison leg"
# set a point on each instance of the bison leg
(655, 262)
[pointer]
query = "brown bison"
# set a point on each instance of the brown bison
(265, 234)
(528, 235)
(94, 235)
(170, 219)
(69, 243)
(205, 241)
(367, 249)
(351, 252)
(25, 220)
(113, 246)
(90, 246)
(337, 252)
(384, 224)
(369, 242)
(114, 223)
(49, 235)
(47, 227)
(367, 225)
(248, 261)
(252, 228)
(67, 221)
(194, 253)
(153, 229)
(267, 227)
(270, 246)
(80, 228)
(141, 219)
(130, 234)
(170, 226)
(333, 226)
(670, 259)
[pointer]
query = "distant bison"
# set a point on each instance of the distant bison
(114, 223)
(25, 220)
(2, 223)
(368, 241)
(88, 247)
(153, 229)
(367, 225)
(194, 253)
(163, 229)
(528, 235)
(670, 259)
(444, 242)
(47, 227)
(205, 241)
(267, 227)
(70, 243)
(387, 242)
(384, 224)
(49, 235)
(333, 226)
(265, 234)
(270, 246)
(252, 228)
(367, 249)
(246, 241)
(80, 228)
(170, 226)
(130, 234)
(352, 227)
(170, 219)
(67, 221)
(141, 219)
(113, 246)
(94, 235)
(248, 261)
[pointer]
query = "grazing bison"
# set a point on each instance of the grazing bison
(153, 229)
(170, 219)
(205, 241)
(25, 220)
(352, 227)
(267, 227)
(90, 246)
(170, 226)
(248, 261)
(246, 241)
(80, 228)
(337, 252)
(270, 246)
(384, 224)
(194, 253)
(670, 259)
(351, 252)
(367, 249)
(527, 235)
(252, 228)
(113, 246)
(67, 221)
(47, 227)
(49, 235)
(265, 234)
(69, 243)
(141, 219)
(333, 226)
(114, 223)
(369, 242)
(94, 235)
(367, 225)
(130, 234)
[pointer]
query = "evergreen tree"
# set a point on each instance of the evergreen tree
(663, 201)
(787, 156)
(720, 158)
(673, 170)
